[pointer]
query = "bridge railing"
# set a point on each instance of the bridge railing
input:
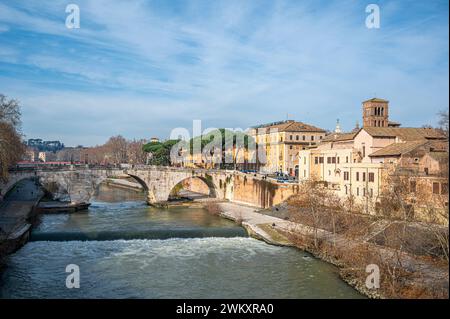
(52, 168)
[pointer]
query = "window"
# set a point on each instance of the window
(371, 192)
(297, 137)
(346, 176)
(444, 188)
(316, 160)
(304, 173)
(357, 191)
(346, 191)
(346, 159)
(320, 160)
(290, 137)
(364, 191)
(364, 176)
(372, 177)
(364, 151)
(412, 186)
(320, 137)
(290, 147)
(312, 137)
(333, 160)
(328, 160)
(304, 137)
(357, 176)
(435, 188)
(338, 159)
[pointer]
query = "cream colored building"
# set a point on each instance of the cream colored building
(339, 164)
(281, 143)
(355, 164)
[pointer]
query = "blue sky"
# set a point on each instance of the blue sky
(141, 68)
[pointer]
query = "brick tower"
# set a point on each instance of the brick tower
(375, 113)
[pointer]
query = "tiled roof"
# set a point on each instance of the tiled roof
(405, 133)
(393, 124)
(441, 157)
(397, 149)
(293, 126)
(375, 99)
(336, 137)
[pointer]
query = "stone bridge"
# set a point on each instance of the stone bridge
(79, 183)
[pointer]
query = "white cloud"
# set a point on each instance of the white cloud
(233, 63)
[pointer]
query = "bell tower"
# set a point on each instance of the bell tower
(375, 113)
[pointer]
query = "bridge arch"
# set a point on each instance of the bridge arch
(207, 183)
(13, 180)
(149, 192)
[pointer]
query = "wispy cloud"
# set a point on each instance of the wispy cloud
(140, 67)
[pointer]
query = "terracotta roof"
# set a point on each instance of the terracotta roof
(405, 133)
(393, 124)
(375, 99)
(336, 137)
(441, 157)
(293, 126)
(397, 149)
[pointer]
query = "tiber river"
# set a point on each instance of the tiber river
(125, 249)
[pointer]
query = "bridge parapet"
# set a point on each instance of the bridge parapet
(80, 182)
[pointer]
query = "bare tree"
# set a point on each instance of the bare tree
(10, 111)
(443, 121)
(116, 149)
(11, 146)
(314, 198)
(135, 153)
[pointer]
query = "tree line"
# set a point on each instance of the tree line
(11, 146)
(116, 150)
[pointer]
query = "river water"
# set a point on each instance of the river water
(125, 249)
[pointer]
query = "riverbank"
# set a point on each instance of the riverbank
(17, 216)
(420, 274)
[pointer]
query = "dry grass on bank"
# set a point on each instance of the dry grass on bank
(397, 245)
